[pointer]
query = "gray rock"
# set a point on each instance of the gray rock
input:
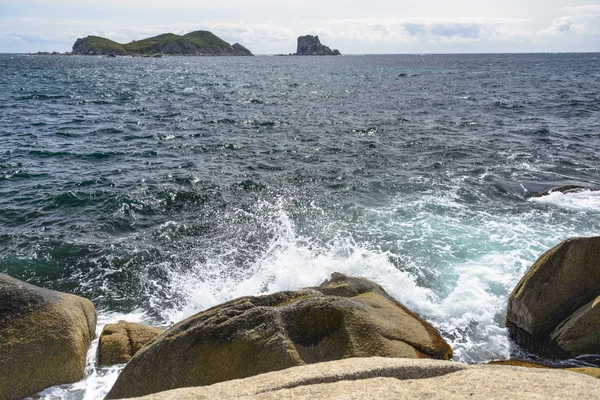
(311, 46)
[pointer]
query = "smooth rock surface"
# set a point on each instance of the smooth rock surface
(580, 333)
(388, 378)
(342, 318)
(44, 337)
(119, 342)
(591, 371)
(561, 282)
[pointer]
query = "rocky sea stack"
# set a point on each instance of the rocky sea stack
(311, 46)
(198, 43)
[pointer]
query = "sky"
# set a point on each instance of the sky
(353, 27)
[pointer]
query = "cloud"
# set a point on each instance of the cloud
(562, 26)
(399, 31)
(592, 10)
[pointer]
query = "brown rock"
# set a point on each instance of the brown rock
(394, 378)
(342, 318)
(580, 333)
(119, 342)
(593, 372)
(44, 337)
(561, 281)
(517, 363)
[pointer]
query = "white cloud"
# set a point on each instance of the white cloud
(563, 26)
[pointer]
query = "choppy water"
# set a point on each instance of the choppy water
(160, 187)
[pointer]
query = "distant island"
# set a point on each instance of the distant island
(197, 43)
(309, 45)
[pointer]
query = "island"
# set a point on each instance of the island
(309, 45)
(197, 43)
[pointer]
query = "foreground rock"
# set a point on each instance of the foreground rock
(342, 318)
(119, 342)
(311, 46)
(591, 371)
(555, 308)
(44, 337)
(387, 378)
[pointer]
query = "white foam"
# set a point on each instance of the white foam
(469, 258)
(587, 201)
(290, 263)
(97, 381)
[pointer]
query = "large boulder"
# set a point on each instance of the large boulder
(344, 317)
(388, 378)
(44, 338)
(554, 308)
(119, 342)
(580, 332)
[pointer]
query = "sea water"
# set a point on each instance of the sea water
(160, 187)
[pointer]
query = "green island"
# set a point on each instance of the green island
(197, 43)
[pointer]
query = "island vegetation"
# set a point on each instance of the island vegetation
(197, 43)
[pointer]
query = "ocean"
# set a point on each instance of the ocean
(160, 187)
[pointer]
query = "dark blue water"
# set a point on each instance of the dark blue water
(160, 187)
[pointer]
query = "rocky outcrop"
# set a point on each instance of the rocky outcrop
(311, 46)
(554, 310)
(119, 342)
(86, 47)
(344, 317)
(567, 189)
(197, 43)
(44, 338)
(239, 50)
(388, 378)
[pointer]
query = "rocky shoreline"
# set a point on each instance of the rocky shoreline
(346, 338)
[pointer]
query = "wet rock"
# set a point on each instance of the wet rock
(44, 337)
(554, 309)
(119, 342)
(344, 317)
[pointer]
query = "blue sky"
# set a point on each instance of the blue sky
(269, 26)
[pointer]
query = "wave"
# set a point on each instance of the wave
(584, 201)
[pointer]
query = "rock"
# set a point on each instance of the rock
(197, 43)
(344, 317)
(239, 50)
(388, 378)
(119, 342)
(44, 337)
(580, 332)
(591, 371)
(517, 363)
(311, 46)
(553, 309)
